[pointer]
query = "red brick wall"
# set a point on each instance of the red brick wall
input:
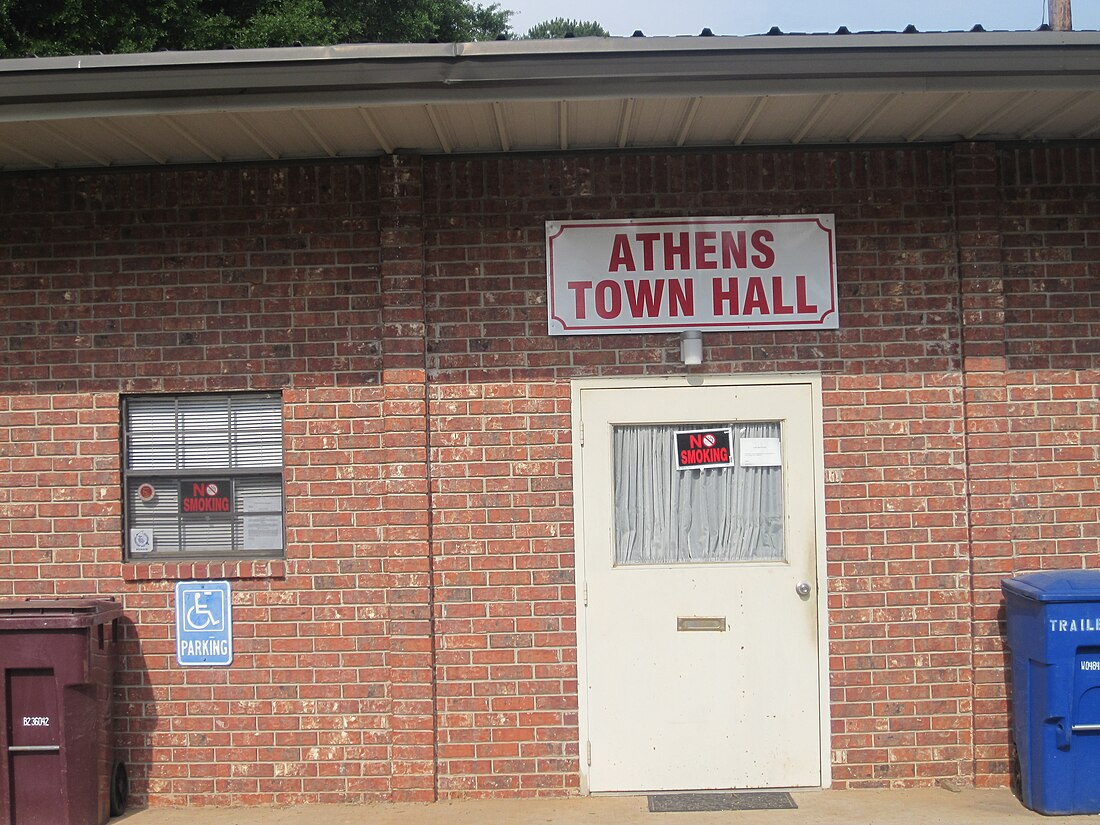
(420, 637)
(506, 628)
(1035, 415)
(894, 447)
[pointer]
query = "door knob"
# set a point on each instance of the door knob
(802, 589)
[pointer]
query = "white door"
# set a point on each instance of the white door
(699, 591)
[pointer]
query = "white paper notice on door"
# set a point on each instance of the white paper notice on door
(760, 452)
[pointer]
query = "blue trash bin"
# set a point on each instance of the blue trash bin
(1054, 640)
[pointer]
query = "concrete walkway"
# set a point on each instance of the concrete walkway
(926, 806)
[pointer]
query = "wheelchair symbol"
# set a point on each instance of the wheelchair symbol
(198, 616)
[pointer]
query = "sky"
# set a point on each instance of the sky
(671, 17)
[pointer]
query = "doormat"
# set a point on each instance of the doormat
(683, 802)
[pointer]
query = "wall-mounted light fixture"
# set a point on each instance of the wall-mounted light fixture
(691, 346)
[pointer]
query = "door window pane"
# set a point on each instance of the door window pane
(664, 515)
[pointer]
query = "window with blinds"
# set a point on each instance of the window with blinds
(203, 476)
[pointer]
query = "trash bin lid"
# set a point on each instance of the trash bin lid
(1056, 586)
(35, 613)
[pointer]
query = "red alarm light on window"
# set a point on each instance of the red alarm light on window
(147, 492)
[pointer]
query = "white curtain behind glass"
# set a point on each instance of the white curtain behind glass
(717, 514)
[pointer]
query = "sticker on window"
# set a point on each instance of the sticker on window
(263, 532)
(205, 497)
(141, 540)
(704, 448)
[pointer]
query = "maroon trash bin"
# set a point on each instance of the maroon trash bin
(57, 763)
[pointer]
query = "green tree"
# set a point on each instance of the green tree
(563, 27)
(277, 24)
(59, 27)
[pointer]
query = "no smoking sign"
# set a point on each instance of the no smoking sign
(704, 448)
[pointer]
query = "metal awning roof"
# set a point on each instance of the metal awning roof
(547, 95)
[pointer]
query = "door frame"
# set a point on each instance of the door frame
(578, 387)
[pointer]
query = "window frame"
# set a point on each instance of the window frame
(170, 481)
(696, 517)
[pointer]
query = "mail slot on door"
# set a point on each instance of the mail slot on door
(703, 623)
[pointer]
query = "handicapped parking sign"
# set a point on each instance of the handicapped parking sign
(204, 624)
